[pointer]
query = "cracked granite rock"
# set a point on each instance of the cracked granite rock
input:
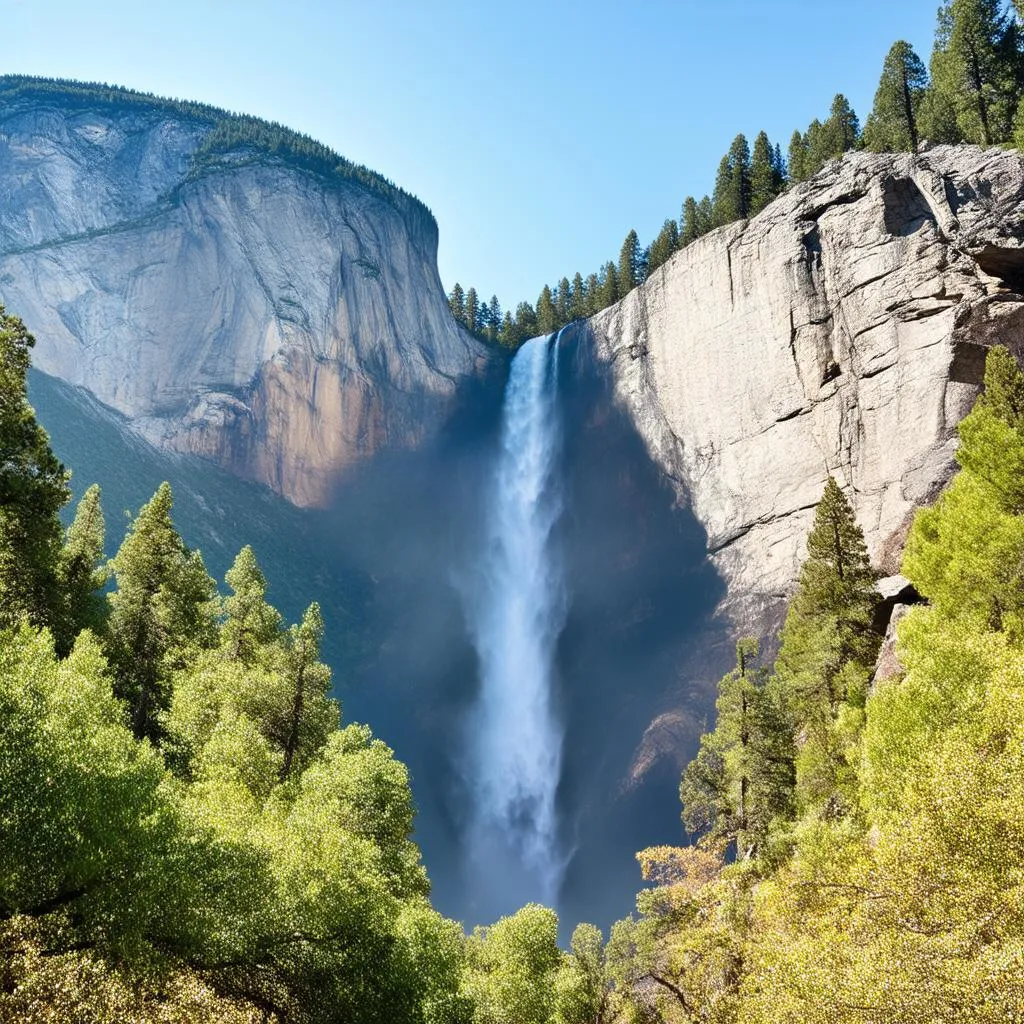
(841, 332)
(280, 325)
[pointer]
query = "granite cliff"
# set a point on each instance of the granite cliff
(842, 331)
(231, 300)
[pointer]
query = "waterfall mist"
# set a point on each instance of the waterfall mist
(515, 609)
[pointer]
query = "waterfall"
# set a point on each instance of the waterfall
(515, 610)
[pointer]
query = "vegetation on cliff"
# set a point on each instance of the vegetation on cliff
(974, 93)
(226, 138)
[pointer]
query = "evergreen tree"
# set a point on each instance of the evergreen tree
(547, 314)
(608, 292)
(563, 305)
(578, 305)
(250, 624)
(457, 303)
(975, 69)
(841, 132)
(828, 649)
(82, 573)
(496, 319)
(741, 782)
(162, 608)
(892, 124)
(663, 246)
(731, 199)
(766, 180)
(33, 490)
(690, 229)
(799, 157)
(629, 264)
(507, 333)
(592, 290)
(472, 310)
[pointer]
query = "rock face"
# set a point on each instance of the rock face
(842, 332)
(279, 322)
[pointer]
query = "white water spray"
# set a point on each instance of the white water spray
(516, 612)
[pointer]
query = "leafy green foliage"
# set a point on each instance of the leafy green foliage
(33, 489)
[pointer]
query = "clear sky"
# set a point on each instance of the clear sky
(538, 133)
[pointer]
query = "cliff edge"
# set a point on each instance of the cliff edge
(840, 332)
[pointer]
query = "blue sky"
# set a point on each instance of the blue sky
(538, 133)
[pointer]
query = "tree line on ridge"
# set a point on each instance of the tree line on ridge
(972, 93)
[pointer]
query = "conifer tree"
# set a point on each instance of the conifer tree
(765, 174)
(33, 490)
(82, 573)
(799, 157)
(629, 264)
(578, 305)
(741, 782)
(609, 292)
(250, 623)
(592, 290)
(457, 303)
(975, 70)
(731, 199)
(162, 609)
(690, 229)
(563, 304)
(663, 246)
(828, 648)
(495, 319)
(547, 315)
(892, 124)
(472, 310)
(841, 132)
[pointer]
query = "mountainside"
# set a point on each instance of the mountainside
(841, 332)
(233, 295)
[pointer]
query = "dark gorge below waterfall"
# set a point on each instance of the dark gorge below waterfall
(634, 665)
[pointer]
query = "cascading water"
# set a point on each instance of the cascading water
(516, 611)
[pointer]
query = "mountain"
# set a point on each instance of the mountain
(234, 290)
(841, 332)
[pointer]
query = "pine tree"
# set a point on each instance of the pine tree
(547, 315)
(828, 648)
(741, 782)
(457, 303)
(841, 132)
(975, 70)
(892, 124)
(731, 199)
(592, 290)
(578, 306)
(162, 608)
(663, 246)
(690, 229)
(82, 573)
(472, 310)
(765, 174)
(563, 305)
(250, 624)
(609, 292)
(496, 319)
(799, 157)
(33, 490)
(309, 682)
(629, 264)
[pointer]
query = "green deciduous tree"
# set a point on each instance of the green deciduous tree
(892, 123)
(512, 968)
